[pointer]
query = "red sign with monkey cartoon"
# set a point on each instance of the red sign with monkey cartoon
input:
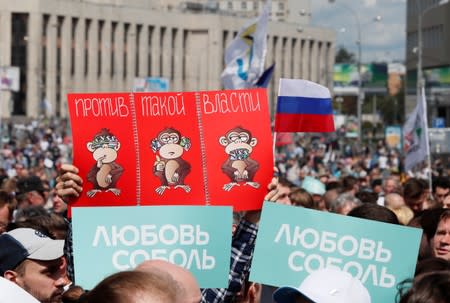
(189, 148)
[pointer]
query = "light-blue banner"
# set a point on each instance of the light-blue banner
(111, 239)
(294, 241)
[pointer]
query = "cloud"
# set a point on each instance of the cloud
(370, 3)
(386, 39)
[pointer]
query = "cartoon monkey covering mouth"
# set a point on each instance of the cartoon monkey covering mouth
(106, 172)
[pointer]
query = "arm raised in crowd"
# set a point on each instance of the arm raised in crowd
(242, 246)
(69, 183)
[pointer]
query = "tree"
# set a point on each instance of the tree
(344, 56)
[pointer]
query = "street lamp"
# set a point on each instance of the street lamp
(358, 43)
(360, 97)
(420, 80)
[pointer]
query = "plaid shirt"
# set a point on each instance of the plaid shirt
(241, 256)
(68, 251)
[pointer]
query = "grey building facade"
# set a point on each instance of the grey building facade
(64, 46)
(435, 29)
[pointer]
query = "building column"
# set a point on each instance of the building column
(296, 60)
(66, 59)
(118, 58)
(143, 51)
(178, 60)
(287, 70)
(131, 56)
(93, 47)
(270, 60)
(79, 55)
(306, 60)
(322, 62)
(215, 57)
(201, 50)
(50, 68)
(330, 64)
(190, 66)
(106, 49)
(5, 60)
(314, 61)
(34, 64)
(156, 52)
(278, 68)
(166, 51)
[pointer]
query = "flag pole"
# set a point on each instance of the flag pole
(424, 106)
(273, 146)
(430, 182)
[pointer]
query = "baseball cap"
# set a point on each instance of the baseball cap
(26, 243)
(313, 186)
(328, 285)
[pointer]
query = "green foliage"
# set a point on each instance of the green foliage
(344, 56)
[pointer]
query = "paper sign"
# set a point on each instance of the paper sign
(198, 148)
(294, 241)
(111, 239)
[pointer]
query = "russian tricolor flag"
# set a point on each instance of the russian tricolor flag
(303, 106)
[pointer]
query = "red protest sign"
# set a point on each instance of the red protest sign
(193, 148)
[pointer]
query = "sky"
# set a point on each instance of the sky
(381, 41)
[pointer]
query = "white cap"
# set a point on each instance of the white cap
(313, 186)
(26, 243)
(39, 246)
(328, 285)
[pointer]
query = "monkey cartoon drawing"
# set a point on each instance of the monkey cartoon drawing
(169, 167)
(239, 167)
(105, 173)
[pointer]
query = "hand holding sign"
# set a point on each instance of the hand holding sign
(69, 183)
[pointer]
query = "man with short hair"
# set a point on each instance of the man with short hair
(390, 185)
(284, 188)
(35, 262)
(30, 191)
(414, 193)
(350, 185)
(441, 240)
(441, 189)
(446, 202)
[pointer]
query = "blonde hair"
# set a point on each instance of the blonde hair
(404, 214)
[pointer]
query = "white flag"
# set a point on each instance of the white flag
(415, 134)
(245, 55)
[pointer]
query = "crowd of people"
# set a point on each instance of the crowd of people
(316, 172)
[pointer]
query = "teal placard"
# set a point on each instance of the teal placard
(293, 241)
(110, 239)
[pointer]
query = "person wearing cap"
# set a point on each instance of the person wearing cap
(316, 189)
(30, 191)
(34, 262)
(328, 285)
